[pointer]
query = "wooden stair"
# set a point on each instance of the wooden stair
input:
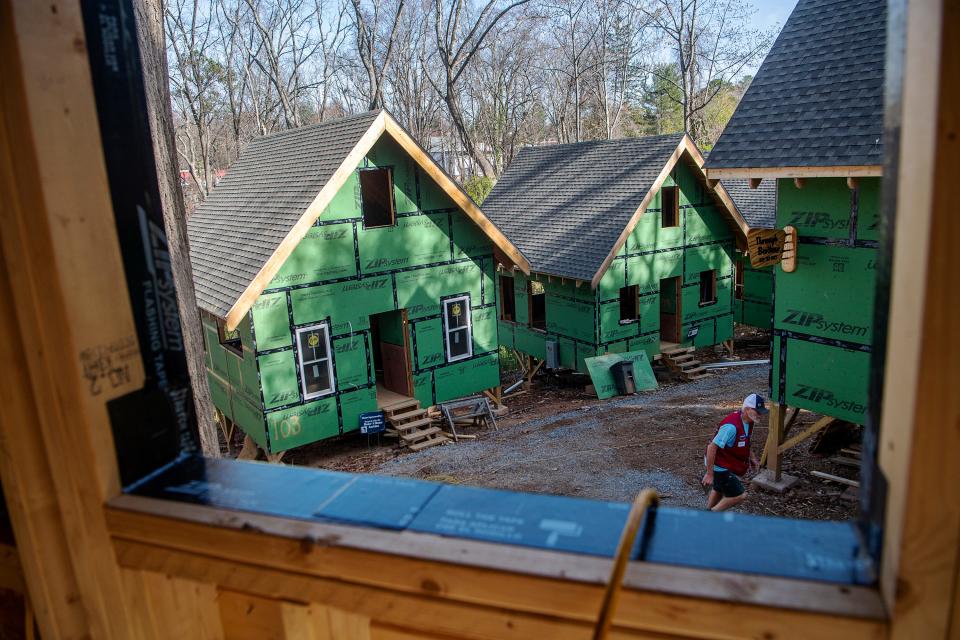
(681, 361)
(411, 425)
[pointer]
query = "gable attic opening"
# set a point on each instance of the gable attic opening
(670, 206)
(376, 196)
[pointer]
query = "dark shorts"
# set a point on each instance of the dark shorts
(727, 484)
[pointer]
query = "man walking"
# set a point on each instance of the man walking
(729, 456)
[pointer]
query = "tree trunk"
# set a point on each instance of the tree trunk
(149, 19)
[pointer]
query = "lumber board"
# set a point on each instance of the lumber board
(920, 437)
(63, 285)
(858, 171)
(833, 478)
(434, 614)
(807, 433)
(495, 575)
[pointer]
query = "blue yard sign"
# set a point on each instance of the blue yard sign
(372, 422)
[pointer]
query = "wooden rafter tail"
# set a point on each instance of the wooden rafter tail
(755, 183)
(458, 195)
(799, 182)
(859, 171)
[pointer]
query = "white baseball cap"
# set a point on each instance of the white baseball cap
(754, 401)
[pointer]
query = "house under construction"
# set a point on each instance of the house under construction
(630, 249)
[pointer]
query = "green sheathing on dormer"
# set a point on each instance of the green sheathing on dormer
(342, 273)
(823, 311)
(586, 323)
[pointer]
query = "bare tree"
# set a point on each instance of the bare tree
(194, 84)
(504, 92)
(711, 42)
(412, 97)
(573, 28)
(459, 33)
(376, 43)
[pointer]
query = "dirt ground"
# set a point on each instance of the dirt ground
(559, 440)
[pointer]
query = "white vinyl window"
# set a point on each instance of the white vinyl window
(316, 366)
(456, 328)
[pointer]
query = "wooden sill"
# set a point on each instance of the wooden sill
(358, 567)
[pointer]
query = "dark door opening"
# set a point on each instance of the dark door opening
(391, 353)
(670, 309)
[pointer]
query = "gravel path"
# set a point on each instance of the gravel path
(606, 450)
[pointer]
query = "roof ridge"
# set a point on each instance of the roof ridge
(317, 125)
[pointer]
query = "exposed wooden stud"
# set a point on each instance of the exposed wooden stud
(774, 436)
(755, 182)
(799, 182)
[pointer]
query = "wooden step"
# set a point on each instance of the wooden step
(693, 372)
(400, 405)
(419, 435)
(406, 427)
(690, 366)
(681, 358)
(409, 415)
(676, 351)
(423, 444)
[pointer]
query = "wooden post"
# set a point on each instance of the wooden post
(774, 438)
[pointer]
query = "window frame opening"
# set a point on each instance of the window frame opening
(712, 290)
(536, 306)
(507, 299)
(673, 208)
(630, 302)
(463, 299)
(232, 344)
(391, 217)
(302, 362)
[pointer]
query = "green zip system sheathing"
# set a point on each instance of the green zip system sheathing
(754, 306)
(342, 273)
(586, 323)
(823, 311)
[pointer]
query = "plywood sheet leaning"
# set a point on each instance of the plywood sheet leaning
(602, 378)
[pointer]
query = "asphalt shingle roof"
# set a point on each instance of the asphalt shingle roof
(757, 206)
(817, 99)
(244, 219)
(565, 205)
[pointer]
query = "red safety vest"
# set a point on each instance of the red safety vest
(736, 458)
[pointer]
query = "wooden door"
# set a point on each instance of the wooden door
(670, 309)
(397, 370)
